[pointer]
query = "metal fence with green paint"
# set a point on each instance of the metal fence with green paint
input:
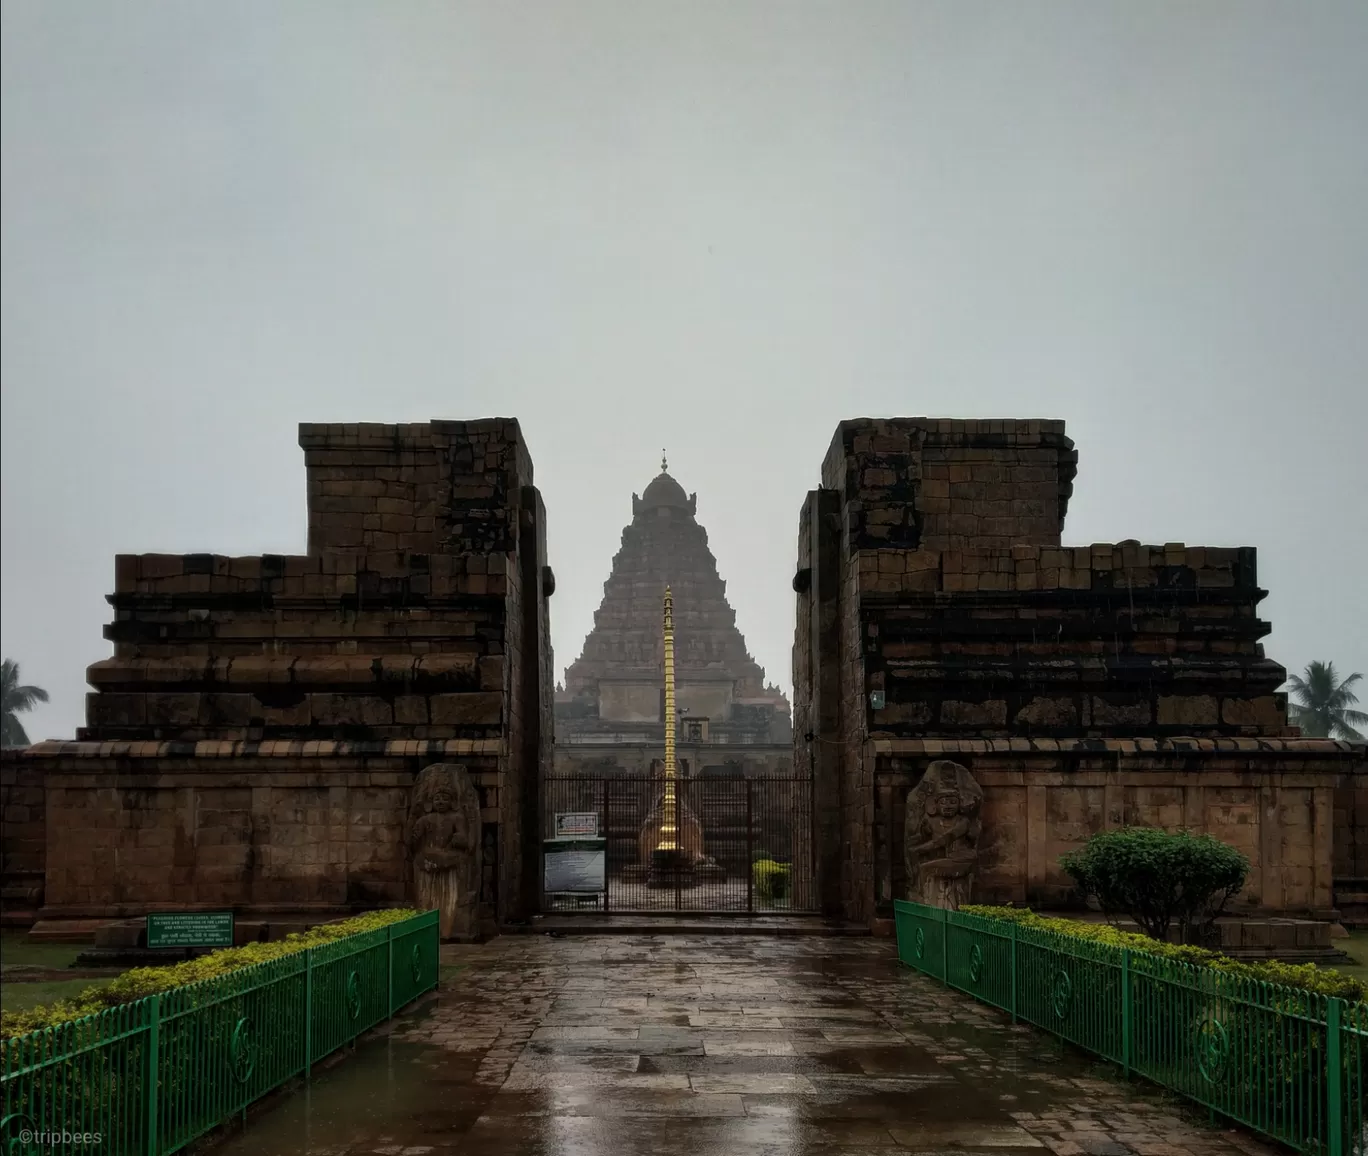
(151, 1076)
(1286, 1062)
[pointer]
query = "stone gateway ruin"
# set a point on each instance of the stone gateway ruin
(374, 721)
(941, 616)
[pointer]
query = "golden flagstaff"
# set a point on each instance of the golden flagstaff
(668, 826)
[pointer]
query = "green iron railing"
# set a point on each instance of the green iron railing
(149, 1077)
(1286, 1062)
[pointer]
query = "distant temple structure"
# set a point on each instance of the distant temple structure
(610, 712)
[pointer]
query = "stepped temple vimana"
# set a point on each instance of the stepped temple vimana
(609, 711)
(375, 721)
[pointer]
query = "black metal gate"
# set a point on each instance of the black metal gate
(749, 840)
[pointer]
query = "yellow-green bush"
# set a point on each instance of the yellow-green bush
(144, 981)
(771, 880)
(1307, 976)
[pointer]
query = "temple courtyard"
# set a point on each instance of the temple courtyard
(714, 1045)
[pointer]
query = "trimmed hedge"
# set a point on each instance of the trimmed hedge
(139, 982)
(771, 880)
(1306, 976)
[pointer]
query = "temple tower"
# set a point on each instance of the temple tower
(613, 691)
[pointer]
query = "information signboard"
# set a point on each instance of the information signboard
(574, 865)
(190, 929)
(574, 824)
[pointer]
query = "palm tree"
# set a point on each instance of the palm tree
(15, 699)
(1325, 707)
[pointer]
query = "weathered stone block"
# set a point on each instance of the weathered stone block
(1121, 711)
(477, 708)
(1262, 712)
(1187, 710)
(903, 714)
(1049, 712)
(992, 713)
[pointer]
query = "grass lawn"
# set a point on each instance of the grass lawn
(22, 996)
(17, 951)
(19, 957)
(1357, 946)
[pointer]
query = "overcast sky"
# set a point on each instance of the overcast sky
(718, 228)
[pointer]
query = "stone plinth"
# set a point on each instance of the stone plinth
(1271, 799)
(265, 829)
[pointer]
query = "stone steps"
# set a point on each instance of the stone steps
(687, 923)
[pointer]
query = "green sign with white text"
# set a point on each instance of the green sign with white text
(190, 929)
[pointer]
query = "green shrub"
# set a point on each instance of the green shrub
(139, 982)
(1304, 976)
(1157, 876)
(771, 880)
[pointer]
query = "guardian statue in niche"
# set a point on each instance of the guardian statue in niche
(941, 835)
(443, 841)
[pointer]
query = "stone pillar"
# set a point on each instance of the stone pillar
(532, 734)
(824, 751)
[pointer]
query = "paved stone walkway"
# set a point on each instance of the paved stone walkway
(716, 1045)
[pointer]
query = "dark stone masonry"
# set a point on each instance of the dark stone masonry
(254, 739)
(1085, 687)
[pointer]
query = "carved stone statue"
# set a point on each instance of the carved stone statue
(443, 840)
(941, 835)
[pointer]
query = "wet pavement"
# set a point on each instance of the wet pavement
(712, 1045)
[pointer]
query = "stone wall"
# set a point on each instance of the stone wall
(937, 604)
(1273, 800)
(423, 488)
(1351, 847)
(357, 646)
(1351, 827)
(23, 839)
(1096, 640)
(415, 628)
(288, 827)
(608, 759)
(817, 715)
(941, 484)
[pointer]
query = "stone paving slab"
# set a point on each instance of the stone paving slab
(716, 1046)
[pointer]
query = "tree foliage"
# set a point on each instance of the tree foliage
(1324, 706)
(1157, 877)
(13, 699)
